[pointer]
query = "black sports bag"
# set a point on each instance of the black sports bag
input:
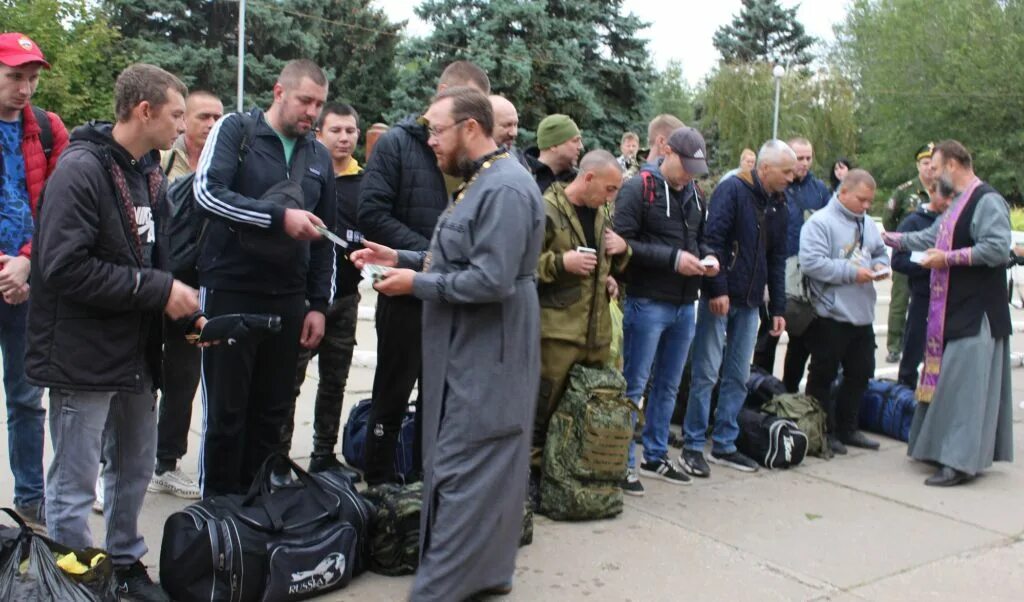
(290, 543)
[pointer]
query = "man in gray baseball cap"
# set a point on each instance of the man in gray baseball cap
(689, 145)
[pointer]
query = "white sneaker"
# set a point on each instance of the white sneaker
(97, 504)
(175, 483)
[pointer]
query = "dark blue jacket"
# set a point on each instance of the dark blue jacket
(918, 277)
(750, 254)
(657, 229)
(231, 192)
(806, 195)
(402, 192)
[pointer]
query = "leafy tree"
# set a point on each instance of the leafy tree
(671, 94)
(738, 105)
(82, 49)
(198, 40)
(928, 71)
(578, 57)
(764, 32)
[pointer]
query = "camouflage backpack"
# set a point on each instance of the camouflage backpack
(809, 417)
(586, 450)
(395, 535)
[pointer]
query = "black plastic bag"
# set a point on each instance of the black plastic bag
(44, 580)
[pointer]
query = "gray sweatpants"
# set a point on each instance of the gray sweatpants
(122, 428)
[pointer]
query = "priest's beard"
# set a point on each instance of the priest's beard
(946, 187)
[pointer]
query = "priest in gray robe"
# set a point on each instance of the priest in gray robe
(964, 417)
(481, 353)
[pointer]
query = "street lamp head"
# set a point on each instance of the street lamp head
(778, 71)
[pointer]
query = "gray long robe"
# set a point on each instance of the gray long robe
(969, 422)
(481, 369)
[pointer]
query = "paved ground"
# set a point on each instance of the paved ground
(860, 527)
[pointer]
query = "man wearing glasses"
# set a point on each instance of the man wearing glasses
(402, 196)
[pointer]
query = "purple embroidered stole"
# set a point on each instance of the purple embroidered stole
(937, 302)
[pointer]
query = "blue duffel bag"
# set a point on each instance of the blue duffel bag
(888, 409)
(353, 443)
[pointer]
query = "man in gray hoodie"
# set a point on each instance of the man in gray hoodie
(842, 255)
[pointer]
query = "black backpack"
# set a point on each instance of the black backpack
(184, 224)
(290, 543)
(45, 131)
(774, 442)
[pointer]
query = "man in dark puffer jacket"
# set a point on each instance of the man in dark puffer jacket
(403, 193)
(747, 231)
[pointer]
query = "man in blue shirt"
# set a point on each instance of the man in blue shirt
(26, 161)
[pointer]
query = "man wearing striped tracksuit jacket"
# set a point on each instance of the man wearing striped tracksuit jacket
(262, 254)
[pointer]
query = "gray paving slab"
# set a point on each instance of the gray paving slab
(812, 527)
(984, 575)
(991, 503)
(633, 557)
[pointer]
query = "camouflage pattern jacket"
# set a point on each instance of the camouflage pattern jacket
(905, 200)
(574, 308)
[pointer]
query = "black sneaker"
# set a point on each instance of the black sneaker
(133, 583)
(734, 460)
(631, 485)
(324, 462)
(663, 469)
(694, 463)
(33, 514)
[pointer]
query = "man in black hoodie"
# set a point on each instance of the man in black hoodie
(94, 320)
(403, 193)
(258, 258)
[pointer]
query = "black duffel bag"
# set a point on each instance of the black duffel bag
(287, 543)
(772, 441)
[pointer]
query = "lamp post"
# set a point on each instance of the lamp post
(241, 54)
(777, 72)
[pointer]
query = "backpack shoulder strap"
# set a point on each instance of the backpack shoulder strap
(248, 133)
(45, 130)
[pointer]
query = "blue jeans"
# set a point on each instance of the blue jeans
(730, 338)
(25, 413)
(655, 334)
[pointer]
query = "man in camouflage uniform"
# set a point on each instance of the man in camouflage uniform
(907, 197)
(575, 286)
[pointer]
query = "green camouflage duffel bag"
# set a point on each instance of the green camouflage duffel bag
(395, 535)
(586, 451)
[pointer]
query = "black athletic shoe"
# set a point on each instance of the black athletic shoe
(323, 462)
(734, 460)
(694, 463)
(631, 485)
(663, 469)
(133, 583)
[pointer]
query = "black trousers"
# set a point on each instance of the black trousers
(182, 362)
(832, 344)
(915, 334)
(399, 362)
(797, 353)
(247, 390)
(335, 353)
(764, 348)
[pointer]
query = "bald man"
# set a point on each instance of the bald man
(506, 126)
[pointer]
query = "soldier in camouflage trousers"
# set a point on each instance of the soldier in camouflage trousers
(575, 285)
(907, 197)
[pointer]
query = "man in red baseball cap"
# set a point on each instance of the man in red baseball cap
(31, 139)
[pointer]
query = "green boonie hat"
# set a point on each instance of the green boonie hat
(925, 152)
(555, 129)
